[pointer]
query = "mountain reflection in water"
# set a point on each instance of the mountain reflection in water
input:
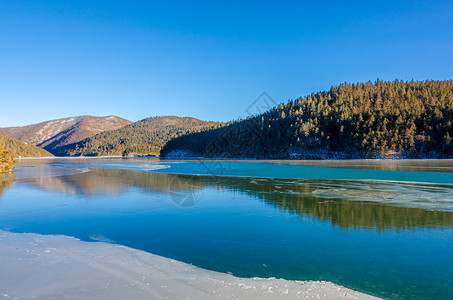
(6, 179)
(347, 204)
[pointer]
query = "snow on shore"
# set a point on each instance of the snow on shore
(58, 267)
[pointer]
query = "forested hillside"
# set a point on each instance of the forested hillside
(365, 120)
(145, 137)
(6, 164)
(18, 148)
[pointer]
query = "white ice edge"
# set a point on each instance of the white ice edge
(47, 170)
(55, 266)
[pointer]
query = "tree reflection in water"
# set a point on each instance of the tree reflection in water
(347, 204)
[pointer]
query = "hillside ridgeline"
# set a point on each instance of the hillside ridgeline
(54, 134)
(365, 120)
(145, 137)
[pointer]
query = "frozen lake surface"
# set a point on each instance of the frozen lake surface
(381, 227)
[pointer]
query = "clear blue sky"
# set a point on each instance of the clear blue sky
(210, 59)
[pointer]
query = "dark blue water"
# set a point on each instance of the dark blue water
(386, 238)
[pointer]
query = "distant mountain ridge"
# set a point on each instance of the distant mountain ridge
(144, 137)
(51, 135)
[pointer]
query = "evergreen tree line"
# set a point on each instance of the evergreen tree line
(364, 120)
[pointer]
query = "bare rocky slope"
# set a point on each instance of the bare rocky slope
(54, 134)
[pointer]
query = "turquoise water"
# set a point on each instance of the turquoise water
(274, 170)
(384, 232)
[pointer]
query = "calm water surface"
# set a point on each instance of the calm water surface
(380, 227)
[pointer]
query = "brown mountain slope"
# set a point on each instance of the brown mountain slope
(18, 148)
(53, 134)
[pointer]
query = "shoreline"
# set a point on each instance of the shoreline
(57, 266)
(240, 158)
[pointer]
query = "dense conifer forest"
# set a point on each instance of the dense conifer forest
(364, 120)
(145, 137)
(18, 148)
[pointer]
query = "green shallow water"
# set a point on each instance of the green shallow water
(386, 231)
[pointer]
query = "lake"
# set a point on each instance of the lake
(380, 227)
